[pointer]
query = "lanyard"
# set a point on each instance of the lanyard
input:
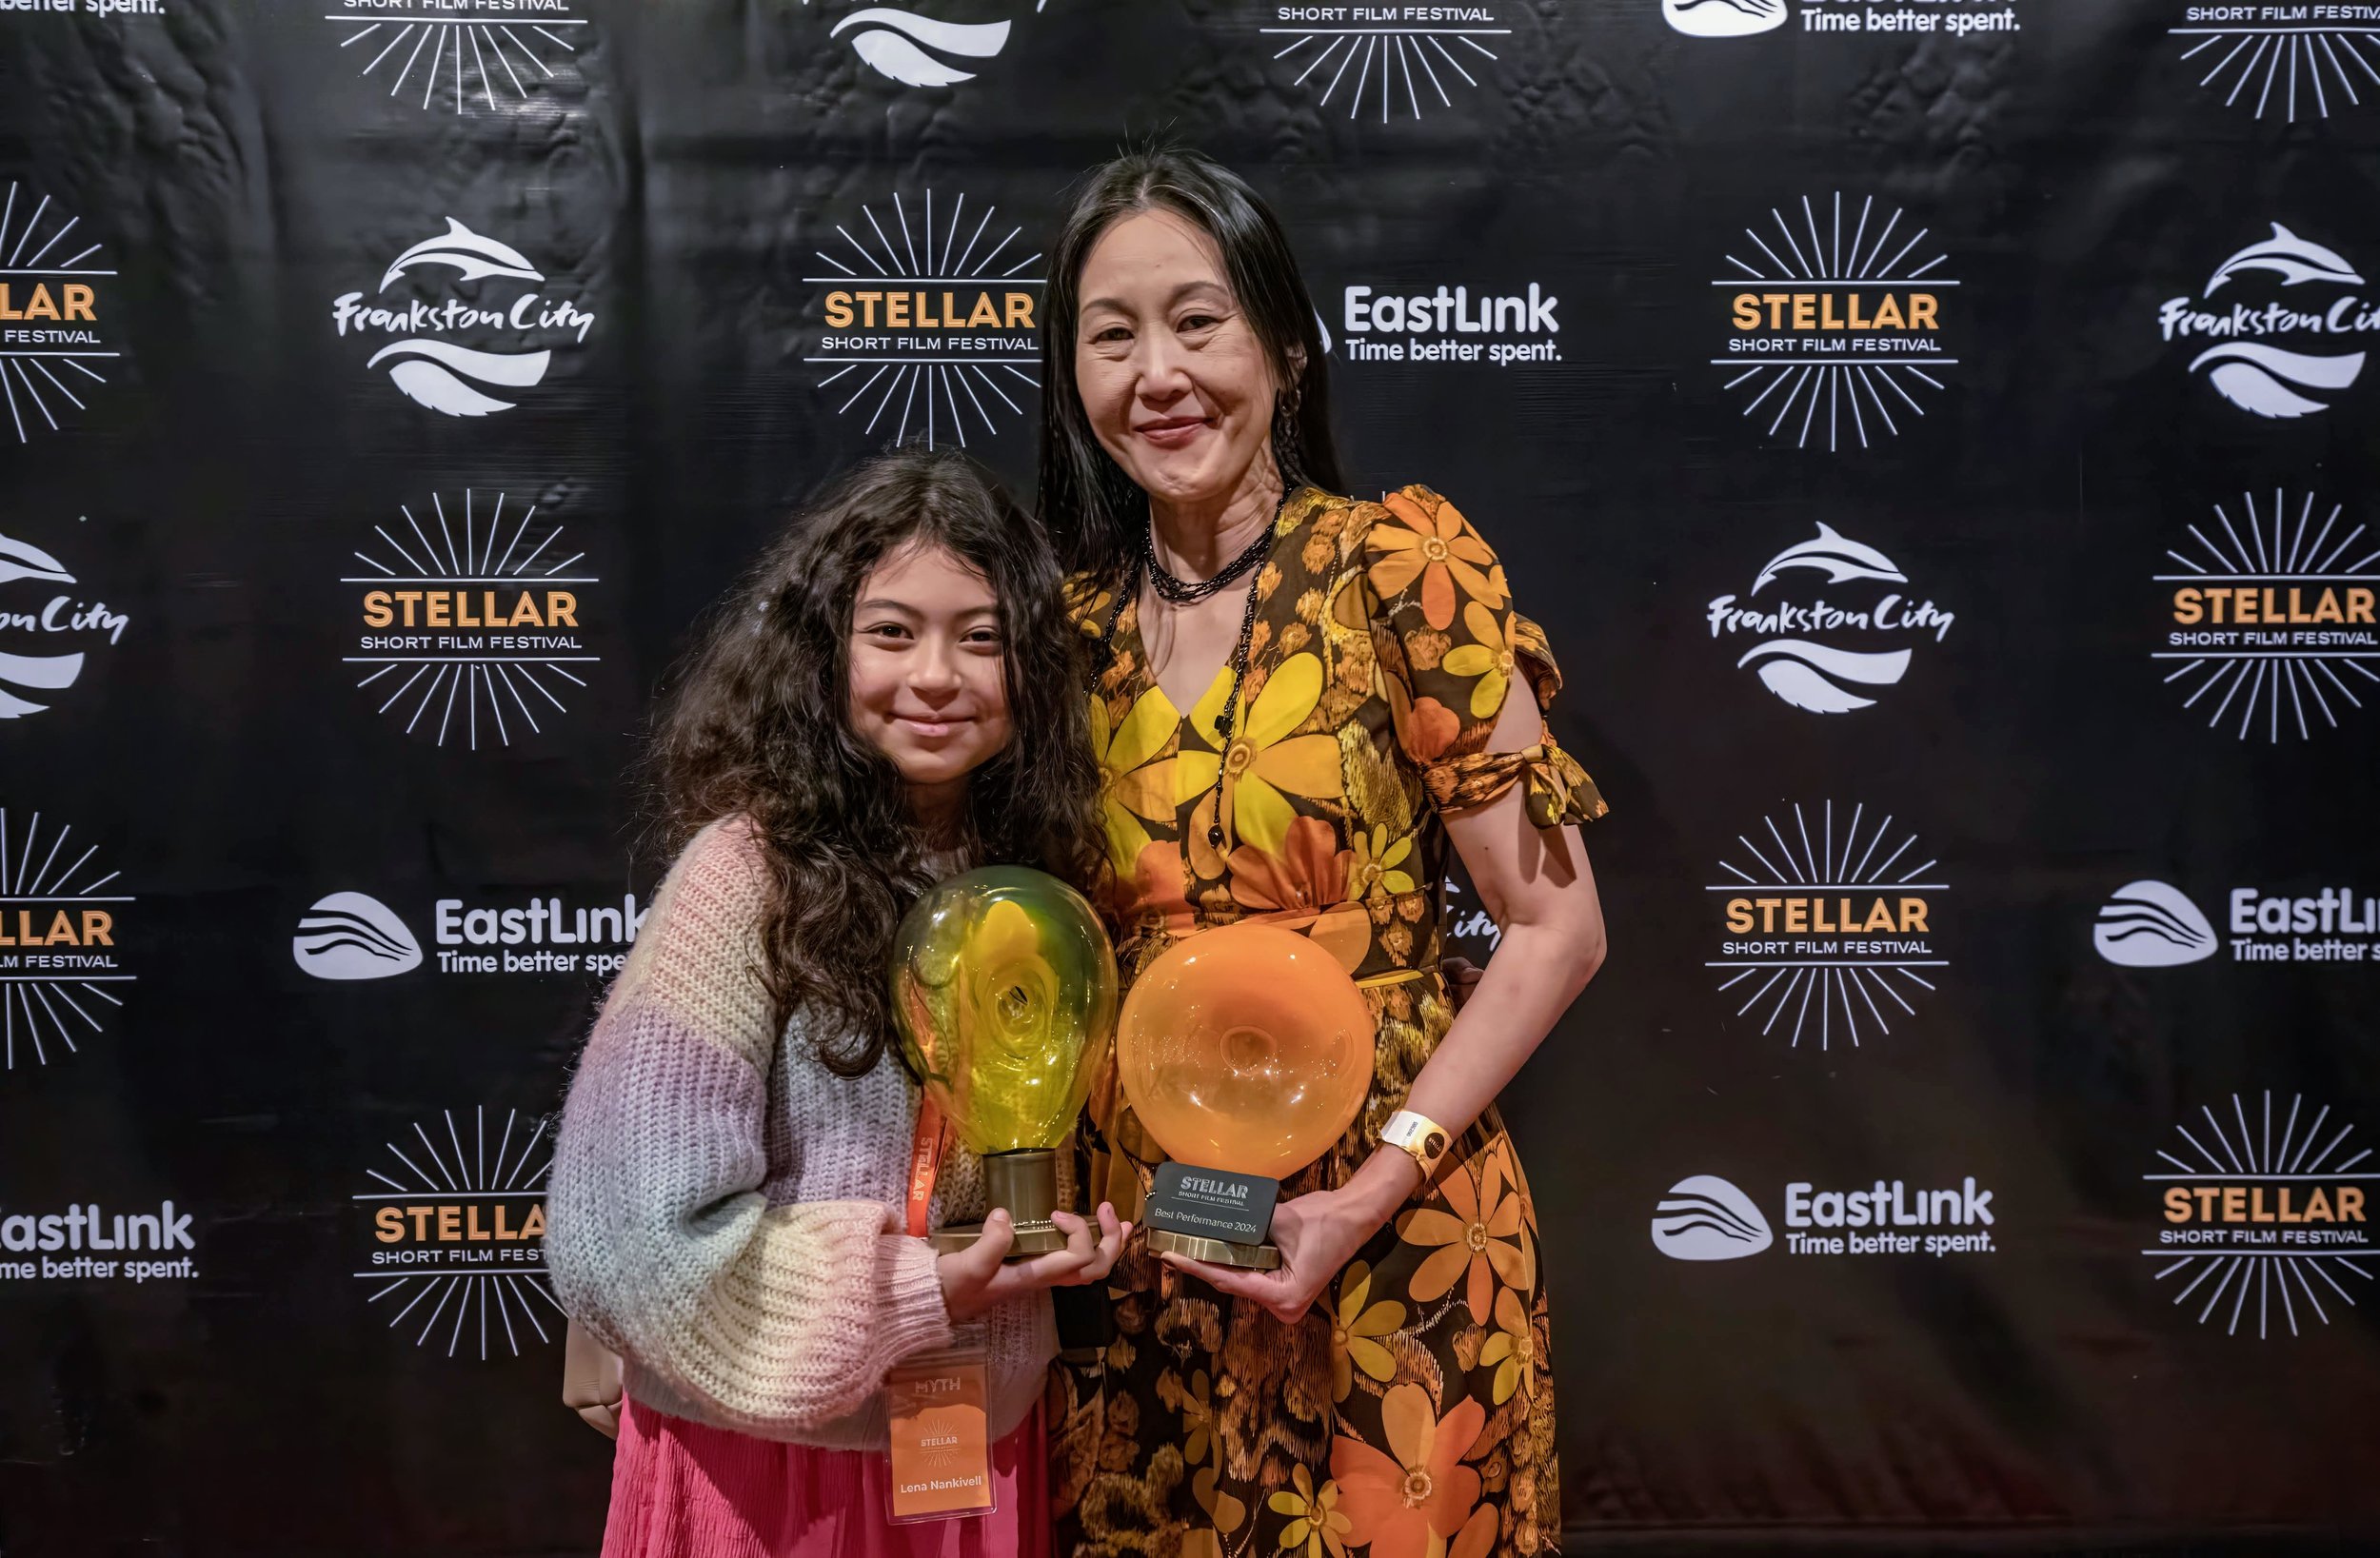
(925, 1157)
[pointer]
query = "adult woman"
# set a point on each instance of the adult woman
(1348, 717)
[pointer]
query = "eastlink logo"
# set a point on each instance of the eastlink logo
(1451, 324)
(91, 1231)
(1704, 1217)
(2154, 924)
(354, 936)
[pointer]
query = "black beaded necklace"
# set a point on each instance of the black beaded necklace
(1182, 592)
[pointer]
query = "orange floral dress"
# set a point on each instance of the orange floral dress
(1411, 1413)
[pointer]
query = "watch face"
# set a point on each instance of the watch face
(1433, 1143)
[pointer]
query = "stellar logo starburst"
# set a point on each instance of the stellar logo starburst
(1827, 926)
(1392, 61)
(491, 56)
(2261, 1215)
(1850, 332)
(2263, 627)
(2273, 60)
(942, 319)
(54, 303)
(493, 618)
(59, 961)
(468, 1233)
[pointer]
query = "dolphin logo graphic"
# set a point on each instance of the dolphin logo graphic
(2289, 257)
(1836, 555)
(468, 254)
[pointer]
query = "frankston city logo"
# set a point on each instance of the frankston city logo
(47, 634)
(1823, 654)
(450, 350)
(60, 966)
(55, 293)
(455, 1251)
(1743, 18)
(1704, 1217)
(1392, 61)
(2292, 60)
(2154, 924)
(1835, 342)
(2272, 634)
(2285, 356)
(2241, 1224)
(459, 53)
(918, 51)
(932, 328)
(476, 636)
(1819, 936)
(354, 936)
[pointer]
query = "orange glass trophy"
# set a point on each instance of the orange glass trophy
(1244, 1050)
(1003, 988)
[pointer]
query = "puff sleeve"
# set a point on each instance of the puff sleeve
(1451, 648)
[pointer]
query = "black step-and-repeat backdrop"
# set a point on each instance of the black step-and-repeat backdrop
(1936, 433)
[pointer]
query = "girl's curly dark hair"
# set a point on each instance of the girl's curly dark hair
(759, 728)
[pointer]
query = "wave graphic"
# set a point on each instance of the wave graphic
(1836, 555)
(1724, 18)
(352, 936)
(432, 373)
(1703, 1217)
(22, 560)
(2289, 257)
(49, 673)
(2257, 378)
(2150, 924)
(468, 252)
(1811, 676)
(888, 40)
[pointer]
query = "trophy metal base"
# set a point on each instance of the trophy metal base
(1245, 1257)
(1025, 1184)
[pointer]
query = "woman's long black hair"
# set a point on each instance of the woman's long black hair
(759, 726)
(1092, 508)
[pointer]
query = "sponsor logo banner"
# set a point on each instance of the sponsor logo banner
(89, 1241)
(2154, 924)
(463, 56)
(453, 1248)
(1826, 650)
(1839, 18)
(474, 621)
(1706, 1218)
(1833, 318)
(935, 46)
(928, 323)
(2289, 337)
(48, 634)
(2270, 1223)
(2272, 635)
(1823, 938)
(62, 974)
(2283, 61)
(354, 936)
(465, 323)
(57, 307)
(1378, 63)
(1516, 324)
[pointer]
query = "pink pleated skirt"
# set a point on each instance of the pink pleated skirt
(682, 1489)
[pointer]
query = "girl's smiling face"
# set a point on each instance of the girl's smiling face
(929, 686)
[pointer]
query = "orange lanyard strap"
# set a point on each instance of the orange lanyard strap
(925, 1159)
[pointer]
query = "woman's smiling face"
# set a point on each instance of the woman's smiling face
(1177, 385)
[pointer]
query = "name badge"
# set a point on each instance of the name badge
(942, 1446)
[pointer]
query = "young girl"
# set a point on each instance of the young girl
(890, 700)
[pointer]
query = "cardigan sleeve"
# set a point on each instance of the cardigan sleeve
(660, 1238)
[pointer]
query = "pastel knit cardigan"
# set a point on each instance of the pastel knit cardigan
(727, 1214)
